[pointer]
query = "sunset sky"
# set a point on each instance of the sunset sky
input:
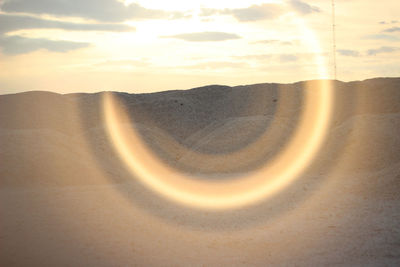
(152, 45)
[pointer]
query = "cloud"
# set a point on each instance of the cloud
(218, 65)
(289, 42)
(258, 57)
(100, 10)
(271, 41)
(303, 8)
(266, 42)
(179, 15)
(393, 29)
(260, 12)
(389, 22)
(124, 63)
(284, 58)
(383, 37)
(205, 36)
(16, 45)
(255, 12)
(206, 12)
(348, 53)
(381, 50)
(10, 23)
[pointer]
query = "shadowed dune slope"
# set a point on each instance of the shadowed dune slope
(53, 139)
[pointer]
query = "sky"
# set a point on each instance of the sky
(141, 46)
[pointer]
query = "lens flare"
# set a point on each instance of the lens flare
(251, 188)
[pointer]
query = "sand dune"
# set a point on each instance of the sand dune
(67, 199)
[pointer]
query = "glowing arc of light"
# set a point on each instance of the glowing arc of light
(237, 193)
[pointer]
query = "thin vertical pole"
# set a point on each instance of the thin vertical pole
(334, 40)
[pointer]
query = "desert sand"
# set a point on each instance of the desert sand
(66, 198)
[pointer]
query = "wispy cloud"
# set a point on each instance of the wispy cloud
(266, 11)
(381, 50)
(9, 23)
(206, 12)
(348, 52)
(389, 22)
(124, 63)
(386, 37)
(278, 42)
(255, 12)
(303, 8)
(259, 57)
(268, 41)
(393, 29)
(16, 45)
(218, 65)
(282, 58)
(205, 36)
(99, 10)
(370, 52)
(248, 14)
(285, 58)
